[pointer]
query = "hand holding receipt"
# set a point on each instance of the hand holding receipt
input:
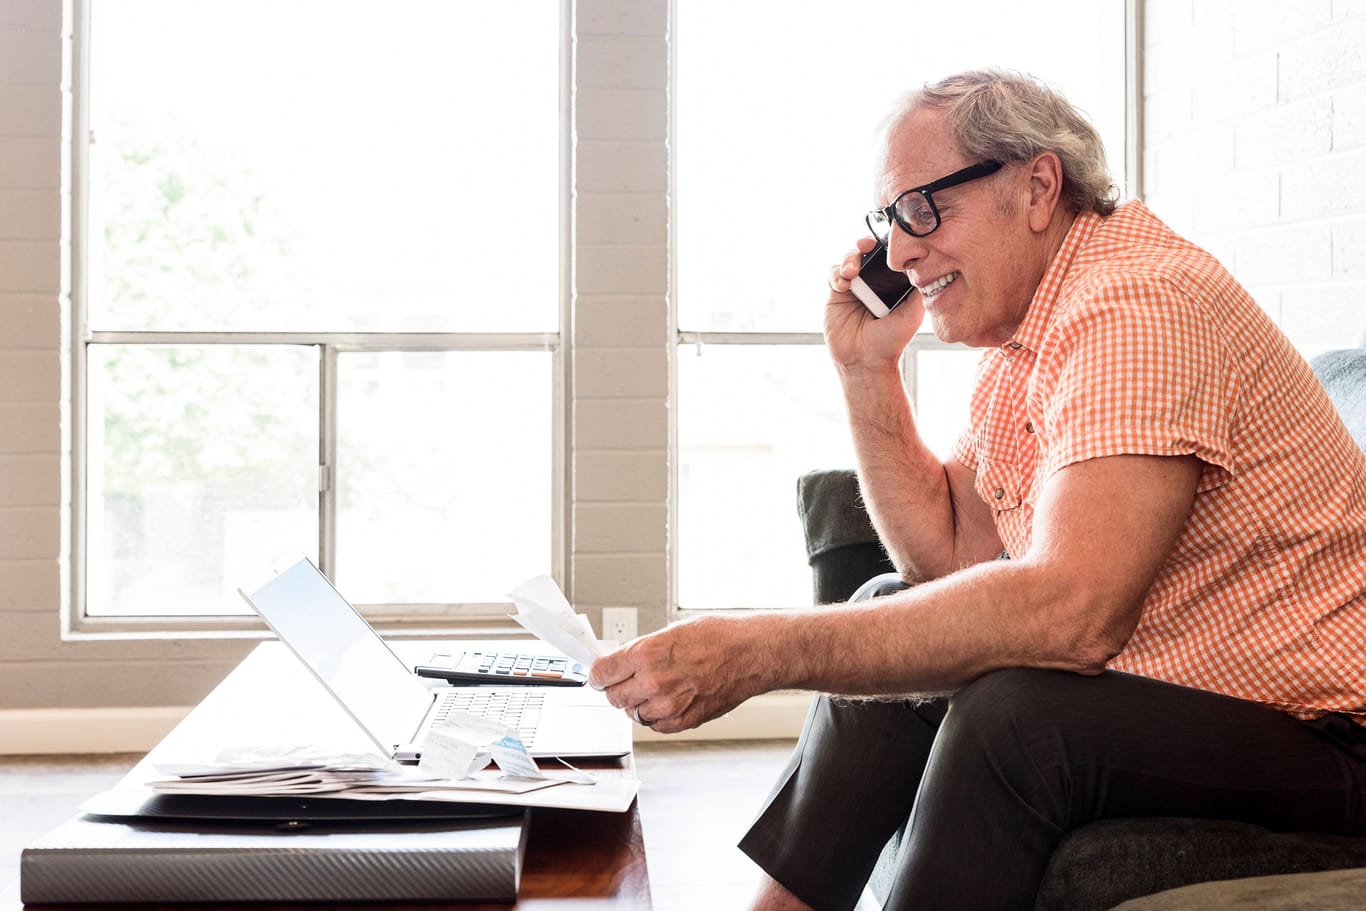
(543, 611)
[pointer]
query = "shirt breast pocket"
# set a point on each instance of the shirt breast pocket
(998, 484)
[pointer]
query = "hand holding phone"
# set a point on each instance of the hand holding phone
(877, 286)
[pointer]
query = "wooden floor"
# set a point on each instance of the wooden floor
(696, 800)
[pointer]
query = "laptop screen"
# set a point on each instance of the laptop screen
(344, 653)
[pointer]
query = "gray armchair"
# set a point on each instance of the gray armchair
(1111, 861)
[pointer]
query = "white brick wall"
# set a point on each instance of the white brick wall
(619, 551)
(33, 444)
(1255, 126)
(1255, 147)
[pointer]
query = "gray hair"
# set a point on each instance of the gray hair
(998, 115)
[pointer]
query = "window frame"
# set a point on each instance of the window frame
(464, 618)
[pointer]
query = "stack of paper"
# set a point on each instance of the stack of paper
(321, 779)
(456, 756)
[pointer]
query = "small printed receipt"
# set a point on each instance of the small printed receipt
(464, 744)
(511, 755)
(458, 747)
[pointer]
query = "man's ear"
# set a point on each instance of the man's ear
(1044, 172)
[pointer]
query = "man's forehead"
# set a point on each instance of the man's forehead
(918, 147)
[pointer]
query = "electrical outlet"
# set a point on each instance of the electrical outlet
(619, 624)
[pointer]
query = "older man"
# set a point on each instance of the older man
(1179, 628)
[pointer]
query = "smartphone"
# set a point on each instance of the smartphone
(877, 286)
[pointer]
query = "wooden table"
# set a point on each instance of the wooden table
(574, 859)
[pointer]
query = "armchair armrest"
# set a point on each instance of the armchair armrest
(842, 547)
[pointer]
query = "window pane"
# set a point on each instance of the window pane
(202, 471)
(311, 166)
(444, 466)
(792, 136)
(807, 139)
(944, 392)
(751, 420)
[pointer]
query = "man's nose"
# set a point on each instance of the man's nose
(903, 249)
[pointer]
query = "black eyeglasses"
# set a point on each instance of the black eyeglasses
(915, 210)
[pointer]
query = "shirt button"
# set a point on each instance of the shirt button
(1016, 346)
(1000, 492)
(1029, 427)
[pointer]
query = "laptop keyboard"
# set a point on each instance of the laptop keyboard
(519, 709)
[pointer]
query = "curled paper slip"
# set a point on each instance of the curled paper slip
(511, 755)
(463, 744)
(543, 611)
(456, 748)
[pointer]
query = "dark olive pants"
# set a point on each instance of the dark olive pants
(992, 777)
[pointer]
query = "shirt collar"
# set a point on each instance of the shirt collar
(1040, 314)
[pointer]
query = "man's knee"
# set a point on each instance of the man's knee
(1007, 729)
(1009, 694)
(1014, 712)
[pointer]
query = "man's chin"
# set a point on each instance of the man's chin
(944, 330)
(951, 334)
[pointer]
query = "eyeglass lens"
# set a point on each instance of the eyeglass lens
(879, 224)
(914, 209)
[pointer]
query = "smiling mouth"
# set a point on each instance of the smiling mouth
(939, 284)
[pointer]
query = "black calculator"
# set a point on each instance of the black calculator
(474, 667)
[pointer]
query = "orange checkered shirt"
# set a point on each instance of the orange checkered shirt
(1138, 342)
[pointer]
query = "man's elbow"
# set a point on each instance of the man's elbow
(1090, 632)
(1090, 658)
(950, 561)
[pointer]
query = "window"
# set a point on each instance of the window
(299, 329)
(774, 172)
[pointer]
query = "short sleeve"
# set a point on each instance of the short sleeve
(1136, 368)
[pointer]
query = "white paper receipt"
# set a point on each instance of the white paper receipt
(513, 759)
(464, 744)
(543, 611)
(459, 746)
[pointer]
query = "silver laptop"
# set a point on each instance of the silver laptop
(394, 707)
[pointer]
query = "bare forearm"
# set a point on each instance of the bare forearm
(1104, 528)
(930, 638)
(904, 485)
(942, 634)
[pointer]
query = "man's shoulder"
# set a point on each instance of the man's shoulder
(1134, 241)
(1134, 261)
(1138, 292)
